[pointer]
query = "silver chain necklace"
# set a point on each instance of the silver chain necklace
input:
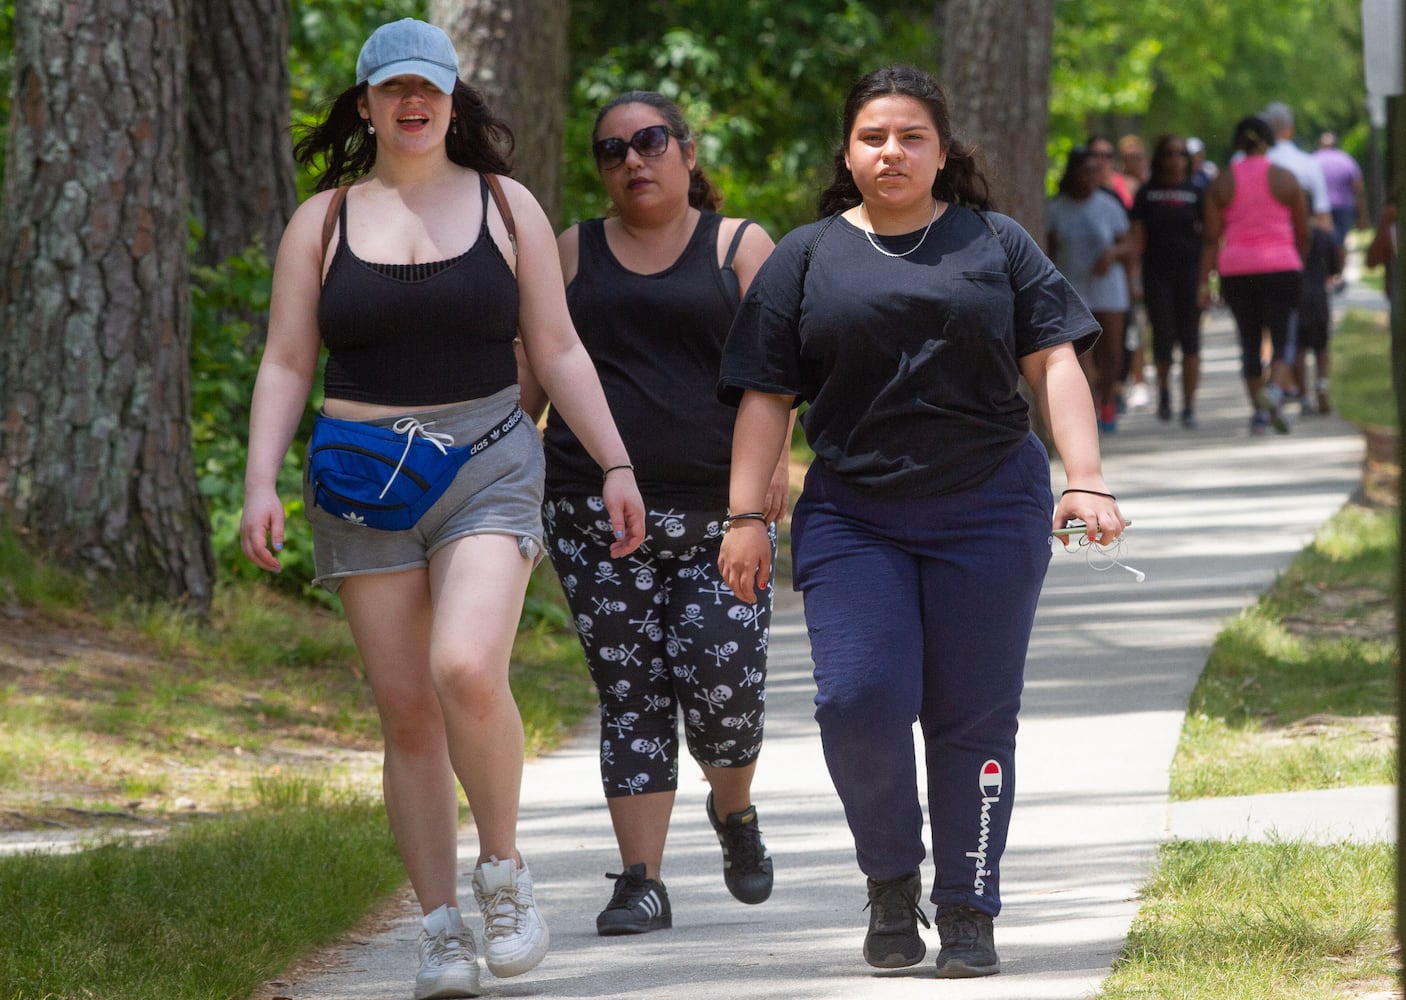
(888, 253)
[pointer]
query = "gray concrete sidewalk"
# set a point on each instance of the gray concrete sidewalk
(1217, 514)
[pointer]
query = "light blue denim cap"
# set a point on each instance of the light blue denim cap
(408, 47)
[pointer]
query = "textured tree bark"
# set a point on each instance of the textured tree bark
(514, 53)
(241, 155)
(95, 455)
(996, 71)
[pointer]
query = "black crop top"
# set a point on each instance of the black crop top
(419, 334)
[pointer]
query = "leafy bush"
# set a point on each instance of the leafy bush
(229, 306)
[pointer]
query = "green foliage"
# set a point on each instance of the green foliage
(1199, 66)
(224, 360)
(760, 82)
(323, 42)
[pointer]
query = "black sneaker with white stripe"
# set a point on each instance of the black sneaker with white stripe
(747, 870)
(639, 905)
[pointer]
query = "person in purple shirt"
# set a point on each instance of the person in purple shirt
(1345, 191)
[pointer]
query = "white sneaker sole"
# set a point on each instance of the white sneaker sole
(515, 964)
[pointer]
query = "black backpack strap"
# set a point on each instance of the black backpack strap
(810, 250)
(1010, 267)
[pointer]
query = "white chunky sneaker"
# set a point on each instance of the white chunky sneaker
(448, 963)
(515, 936)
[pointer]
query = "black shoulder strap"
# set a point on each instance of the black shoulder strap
(729, 275)
(736, 242)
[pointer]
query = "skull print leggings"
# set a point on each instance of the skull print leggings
(662, 634)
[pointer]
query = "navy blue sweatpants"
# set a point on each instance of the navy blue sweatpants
(922, 609)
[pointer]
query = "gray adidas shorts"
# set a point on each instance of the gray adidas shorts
(497, 492)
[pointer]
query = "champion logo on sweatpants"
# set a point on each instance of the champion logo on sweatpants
(990, 780)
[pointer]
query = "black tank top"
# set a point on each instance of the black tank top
(419, 334)
(656, 340)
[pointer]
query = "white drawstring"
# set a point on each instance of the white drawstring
(410, 426)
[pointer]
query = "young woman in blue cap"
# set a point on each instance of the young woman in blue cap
(418, 292)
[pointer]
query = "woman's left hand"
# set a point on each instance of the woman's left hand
(626, 509)
(1103, 521)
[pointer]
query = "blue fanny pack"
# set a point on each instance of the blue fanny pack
(387, 477)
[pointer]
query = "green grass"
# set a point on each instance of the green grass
(210, 911)
(1261, 922)
(1296, 661)
(1298, 694)
(252, 737)
(1361, 372)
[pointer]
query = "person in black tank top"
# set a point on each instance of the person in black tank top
(419, 305)
(652, 291)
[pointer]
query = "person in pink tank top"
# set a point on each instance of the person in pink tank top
(1255, 235)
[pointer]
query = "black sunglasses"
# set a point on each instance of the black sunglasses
(650, 141)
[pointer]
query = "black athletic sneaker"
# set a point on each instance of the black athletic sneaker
(968, 945)
(639, 905)
(893, 941)
(746, 861)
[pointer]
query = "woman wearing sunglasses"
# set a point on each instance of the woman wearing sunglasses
(652, 291)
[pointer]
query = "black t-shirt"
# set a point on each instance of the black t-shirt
(1171, 216)
(656, 341)
(909, 364)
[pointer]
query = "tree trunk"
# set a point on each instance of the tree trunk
(514, 53)
(95, 455)
(996, 71)
(241, 158)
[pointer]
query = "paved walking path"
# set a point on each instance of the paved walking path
(1217, 515)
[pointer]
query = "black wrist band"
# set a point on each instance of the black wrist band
(1096, 493)
(625, 465)
(754, 516)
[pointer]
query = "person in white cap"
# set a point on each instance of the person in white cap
(418, 285)
(1202, 170)
(1306, 170)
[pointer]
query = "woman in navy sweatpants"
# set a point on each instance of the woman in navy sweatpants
(906, 318)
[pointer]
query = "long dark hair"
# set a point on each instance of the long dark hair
(477, 139)
(1252, 135)
(701, 193)
(960, 181)
(1073, 167)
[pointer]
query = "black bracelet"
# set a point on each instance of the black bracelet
(625, 465)
(1096, 493)
(754, 516)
